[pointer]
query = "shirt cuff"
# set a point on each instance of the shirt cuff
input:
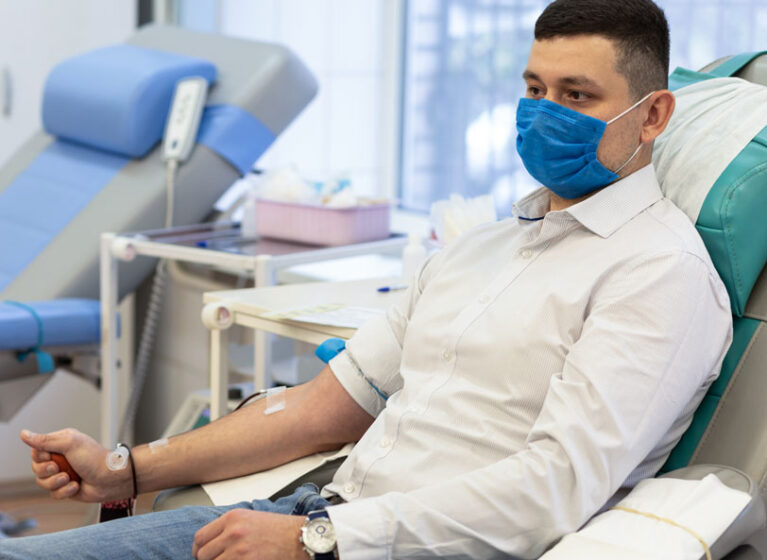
(360, 530)
(370, 364)
(352, 380)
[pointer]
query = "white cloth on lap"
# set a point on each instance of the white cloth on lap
(706, 507)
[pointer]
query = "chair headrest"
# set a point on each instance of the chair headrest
(712, 162)
(116, 98)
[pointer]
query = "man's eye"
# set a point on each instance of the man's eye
(578, 96)
(533, 91)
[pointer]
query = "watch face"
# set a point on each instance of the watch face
(319, 535)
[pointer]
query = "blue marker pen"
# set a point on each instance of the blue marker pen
(384, 289)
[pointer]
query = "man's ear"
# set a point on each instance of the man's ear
(663, 103)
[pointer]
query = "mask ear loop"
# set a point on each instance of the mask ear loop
(634, 106)
(617, 171)
(611, 121)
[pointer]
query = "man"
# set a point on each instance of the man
(534, 368)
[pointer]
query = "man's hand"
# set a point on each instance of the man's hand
(243, 533)
(87, 458)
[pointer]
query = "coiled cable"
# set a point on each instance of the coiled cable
(152, 317)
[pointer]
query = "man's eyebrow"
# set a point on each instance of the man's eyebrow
(577, 81)
(528, 75)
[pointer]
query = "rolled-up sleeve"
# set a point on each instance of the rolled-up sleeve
(369, 368)
(656, 334)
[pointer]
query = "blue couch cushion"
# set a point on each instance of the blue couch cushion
(116, 98)
(59, 322)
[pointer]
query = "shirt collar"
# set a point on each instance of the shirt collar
(533, 206)
(606, 211)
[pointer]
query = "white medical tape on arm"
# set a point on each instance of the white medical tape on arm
(275, 400)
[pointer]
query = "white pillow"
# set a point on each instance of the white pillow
(713, 122)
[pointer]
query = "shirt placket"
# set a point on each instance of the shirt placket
(534, 242)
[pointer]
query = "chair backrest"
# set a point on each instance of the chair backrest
(730, 426)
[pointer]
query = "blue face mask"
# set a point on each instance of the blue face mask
(558, 147)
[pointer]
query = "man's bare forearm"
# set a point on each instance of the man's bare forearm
(318, 416)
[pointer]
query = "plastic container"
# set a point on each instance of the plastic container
(322, 225)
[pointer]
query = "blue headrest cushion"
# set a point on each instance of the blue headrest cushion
(116, 98)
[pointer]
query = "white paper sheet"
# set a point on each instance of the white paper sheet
(331, 314)
(705, 506)
(262, 485)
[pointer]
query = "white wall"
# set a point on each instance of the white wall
(37, 34)
(352, 46)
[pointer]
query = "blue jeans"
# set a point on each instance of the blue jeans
(166, 534)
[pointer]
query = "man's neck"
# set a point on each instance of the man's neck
(558, 203)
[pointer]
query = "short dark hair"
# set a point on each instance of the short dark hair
(638, 28)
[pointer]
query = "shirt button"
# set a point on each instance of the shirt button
(349, 488)
(527, 253)
(446, 355)
(385, 442)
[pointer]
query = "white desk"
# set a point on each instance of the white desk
(245, 307)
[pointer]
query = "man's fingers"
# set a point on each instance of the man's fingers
(39, 456)
(58, 442)
(53, 483)
(35, 441)
(66, 491)
(207, 534)
(45, 469)
(212, 549)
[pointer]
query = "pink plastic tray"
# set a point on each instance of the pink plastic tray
(320, 225)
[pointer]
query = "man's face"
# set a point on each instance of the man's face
(580, 73)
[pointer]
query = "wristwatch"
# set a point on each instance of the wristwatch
(318, 536)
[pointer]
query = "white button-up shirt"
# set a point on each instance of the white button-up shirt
(532, 370)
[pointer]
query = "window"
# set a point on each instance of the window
(463, 62)
(350, 128)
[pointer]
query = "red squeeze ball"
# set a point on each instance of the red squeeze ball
(64, 466)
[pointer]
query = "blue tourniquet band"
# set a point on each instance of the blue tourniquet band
(330, 348)
(44, 360)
